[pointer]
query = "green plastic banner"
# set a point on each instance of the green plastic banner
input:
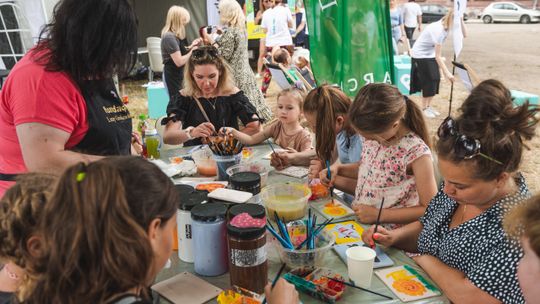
(350, 42)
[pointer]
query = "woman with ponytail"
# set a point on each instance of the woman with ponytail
(460, 239)
(396, 161)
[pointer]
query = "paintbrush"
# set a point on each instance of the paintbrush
(274, 151)
(276, 279)
(358, 287)
(329, 175)
(378, 221)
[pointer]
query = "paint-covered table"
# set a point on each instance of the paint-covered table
(332, 261)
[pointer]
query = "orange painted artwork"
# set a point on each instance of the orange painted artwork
(406, 283)
(335, 209)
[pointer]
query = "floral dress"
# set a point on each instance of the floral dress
(383, 173)
(233, 47)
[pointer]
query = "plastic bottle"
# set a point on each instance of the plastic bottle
(152, 143)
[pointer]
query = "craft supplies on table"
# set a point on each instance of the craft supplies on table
(317, 283)
(209, 239)
(288, 200)
(293, 171)
(381, 260)
(246, 238)
(188, 199)
(229, 195)
(407, 284)
(185, 288)
(329, 208)
(346, 232)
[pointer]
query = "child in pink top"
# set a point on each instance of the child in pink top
(286, 131)
(396, 161)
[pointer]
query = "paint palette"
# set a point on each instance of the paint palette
(316, 282)
(407, 284)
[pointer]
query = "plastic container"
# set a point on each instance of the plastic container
(304, 257)
(248, 263)
(250, 167)
(316, 282)
(289, 200)
(246, 181)
(206, 165)
(152, 143)
(183, 221)
(224, 162)
(209, 239)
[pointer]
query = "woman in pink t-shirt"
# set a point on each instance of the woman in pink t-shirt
(59, 103)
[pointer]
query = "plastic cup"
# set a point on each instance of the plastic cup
(224, 162)
(360, 262)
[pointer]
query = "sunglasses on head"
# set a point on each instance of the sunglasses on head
(202, 52)
(465, 147)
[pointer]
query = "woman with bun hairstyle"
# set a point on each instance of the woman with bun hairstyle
(460, 239)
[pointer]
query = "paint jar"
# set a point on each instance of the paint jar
(189, 198)
(246, 181)
(248, 263)
(209, 239)
(224, 162)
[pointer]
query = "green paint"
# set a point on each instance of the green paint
(421, 278)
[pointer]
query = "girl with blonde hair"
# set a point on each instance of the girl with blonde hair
(174, 48)
(232, 45)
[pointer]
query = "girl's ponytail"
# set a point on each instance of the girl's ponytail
(414, 120)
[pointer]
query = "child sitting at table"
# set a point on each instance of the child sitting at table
(286, 130)
(396, 161)
(20, 210)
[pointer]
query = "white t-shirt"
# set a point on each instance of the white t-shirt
(275, 21)
(433, 34)
(411, 10)
(304, 18)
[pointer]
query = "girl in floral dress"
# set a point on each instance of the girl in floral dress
(396, 161)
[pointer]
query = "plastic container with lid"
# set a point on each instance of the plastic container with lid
(248, 263)
(189, 198)
(209, 239)
(246, 181)
(250, 167)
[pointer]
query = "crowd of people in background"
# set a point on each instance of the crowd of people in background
(83, 221)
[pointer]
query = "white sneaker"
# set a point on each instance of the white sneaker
(428, 113)
(434, 111)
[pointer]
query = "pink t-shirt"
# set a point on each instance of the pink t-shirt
(33, 95)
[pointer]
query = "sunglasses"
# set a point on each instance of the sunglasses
(465, 147)
(204, 51)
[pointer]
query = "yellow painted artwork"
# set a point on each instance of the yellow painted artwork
(405, 282)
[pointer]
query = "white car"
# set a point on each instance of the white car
(509, 12)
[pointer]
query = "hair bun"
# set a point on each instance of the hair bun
(489, 108)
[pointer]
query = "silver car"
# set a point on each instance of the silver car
(509, 12)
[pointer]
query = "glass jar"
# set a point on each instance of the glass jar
(248, 265)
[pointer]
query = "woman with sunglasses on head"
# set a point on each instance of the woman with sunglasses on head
(208, 102)
(232, 45)
(460, 239)
(175, 49)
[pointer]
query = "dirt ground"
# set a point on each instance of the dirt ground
(507, 52)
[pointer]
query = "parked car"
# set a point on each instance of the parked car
(509, 12)
(434, 12)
